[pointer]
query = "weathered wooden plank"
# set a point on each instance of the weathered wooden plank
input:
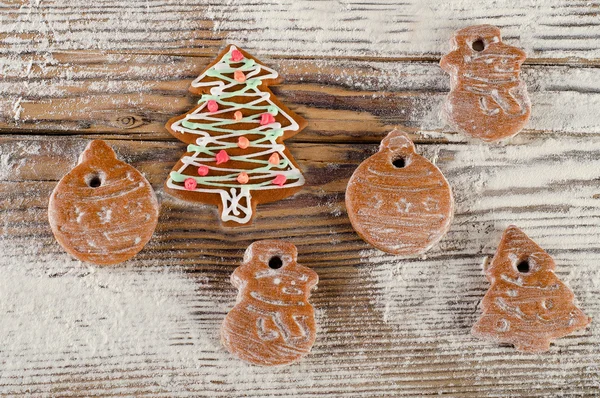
(134, 95)
(388, 327)
(558, 30)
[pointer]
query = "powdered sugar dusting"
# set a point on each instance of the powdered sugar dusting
(396, 29)
(544, 188)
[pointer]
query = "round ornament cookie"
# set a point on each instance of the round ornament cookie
(397, 200)
(487, 100)
(272, 323)
(103, 211)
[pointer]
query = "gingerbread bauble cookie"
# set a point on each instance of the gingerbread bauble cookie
(272, 323)
(527, 305)
(235, 157)
(488, 99)
(397, 200)
(103, 211)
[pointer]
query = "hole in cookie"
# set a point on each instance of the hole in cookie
(275, 262)
(94, 181)
(478, 45)
(523, 266)
(399, 162)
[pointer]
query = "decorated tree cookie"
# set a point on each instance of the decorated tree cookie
(272, 323)
(488, 99)
(235, 157)
(103, 211)
(527, 305)
(397, 200)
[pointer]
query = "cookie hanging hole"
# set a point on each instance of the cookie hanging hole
(399, 162)
(523, 266)
(275, 262)
(94, 181)
(478, 45)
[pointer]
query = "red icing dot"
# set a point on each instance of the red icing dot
(212, 106)
(279, 180)
(266, 118)
(222, 156)
(236, 56)
(202, 171)
(190, 184)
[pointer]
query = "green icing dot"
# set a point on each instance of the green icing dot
(273, 110)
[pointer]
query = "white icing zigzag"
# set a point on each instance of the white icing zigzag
(216, 133)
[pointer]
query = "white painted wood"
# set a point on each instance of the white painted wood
(388, 327)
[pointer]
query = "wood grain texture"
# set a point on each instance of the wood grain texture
(133, 96)
(386, 326)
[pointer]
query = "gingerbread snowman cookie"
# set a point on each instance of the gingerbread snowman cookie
(272, 322)
(527, 305)
(103, 211)
(487, 100)
(397, 200)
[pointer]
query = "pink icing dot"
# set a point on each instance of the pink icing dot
(238, 115)
(190, 184)
(239, 76)
(274, 159)
(279, 180)
(243, 142)
(202, 171)
(243, 178)
(236, 56)
(222, 157)
(266, 118)
(212, 106)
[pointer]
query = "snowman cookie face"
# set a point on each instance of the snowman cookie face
(487, 100)
(272, 323)
(103, 211)
(397, 200)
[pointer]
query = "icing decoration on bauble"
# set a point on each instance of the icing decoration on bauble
(397, 200)
(103, 211)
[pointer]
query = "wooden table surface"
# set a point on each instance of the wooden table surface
(77, 70)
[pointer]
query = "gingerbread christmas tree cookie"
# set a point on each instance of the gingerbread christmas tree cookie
(272, 323)
(527, 305)
(487, 100)
(397, 200)
(103, 211)
(235, 157)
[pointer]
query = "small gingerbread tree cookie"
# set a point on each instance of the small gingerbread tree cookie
(487, 100)
(235, 156)
(272, 323)
(527, 305)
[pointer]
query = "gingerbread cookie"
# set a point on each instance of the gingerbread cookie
(235, 157)
(103, 211)
(527, 305)
(397, 200)
(272, 323)
(488, 99)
